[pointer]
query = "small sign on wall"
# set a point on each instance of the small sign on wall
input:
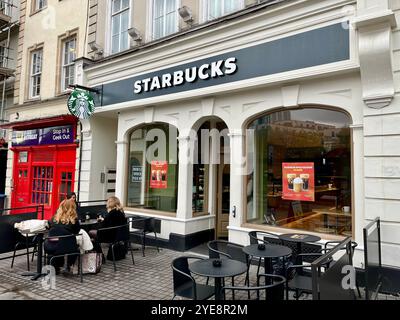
(136, 174)
(158, 174)
(298, 181)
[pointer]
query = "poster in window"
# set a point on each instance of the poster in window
(136, 174)
(298, 181)
(158, 174)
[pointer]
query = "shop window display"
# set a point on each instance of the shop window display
(302, 171)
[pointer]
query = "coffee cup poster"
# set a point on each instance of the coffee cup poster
(298, 181)
(159, 171)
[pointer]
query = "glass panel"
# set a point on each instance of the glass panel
(116, 25)
(116, 6)
(115, 44)
(153, 168)
(170, 23)
(302, 172)
(125, 4)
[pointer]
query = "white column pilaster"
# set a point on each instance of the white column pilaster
(122, 171)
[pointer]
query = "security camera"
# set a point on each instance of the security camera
(135, 34)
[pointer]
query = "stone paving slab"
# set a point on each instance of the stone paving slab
(149, 279)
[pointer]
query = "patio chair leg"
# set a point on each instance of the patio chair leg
(233, 291)
(80, 267)
(15, 251)
(113, 256)
(130, 249)
(155, 236)
(143, 242)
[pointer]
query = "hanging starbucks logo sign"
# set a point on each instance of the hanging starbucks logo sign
(81, 104)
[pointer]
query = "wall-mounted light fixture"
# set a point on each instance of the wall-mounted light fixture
(186, 14)
(135, 34)
(95, 47)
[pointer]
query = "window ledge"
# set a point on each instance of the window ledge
(36, 99)
(281, 230)
(131, 210)
(37, 11)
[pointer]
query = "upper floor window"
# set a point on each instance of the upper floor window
(5, 8)
(119, 25)
(218, 8)
(165, 17)
(40, 4)
(68, 67)
(35, 73)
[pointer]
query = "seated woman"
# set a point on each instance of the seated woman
(115, 217)
(65, 222)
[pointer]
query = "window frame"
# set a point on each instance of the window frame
(33, 75)
(245, 223)
(110, 24)
(150, 19)
(63, 65)
(36, 7)
(205, 10)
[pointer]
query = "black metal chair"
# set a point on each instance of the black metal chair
(298, 277)
(25, 242)
(354, 245)
(184, 284)
(257, 237)
(275, 291)
(144, 225)
(115, 236)
(62, 246)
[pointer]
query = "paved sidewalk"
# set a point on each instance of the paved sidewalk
(149, 279)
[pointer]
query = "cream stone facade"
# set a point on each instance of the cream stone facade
(365, 86)
(44, 28)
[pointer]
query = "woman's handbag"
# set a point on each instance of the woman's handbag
(91, 263)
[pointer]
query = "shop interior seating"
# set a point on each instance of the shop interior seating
(184, 284)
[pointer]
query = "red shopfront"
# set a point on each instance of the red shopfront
(44, 163)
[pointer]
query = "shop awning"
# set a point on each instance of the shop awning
(40, 122)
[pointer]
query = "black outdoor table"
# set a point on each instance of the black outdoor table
(228, 268)
(299, 239)
(270, 252)
(89, 224)
(36, 275)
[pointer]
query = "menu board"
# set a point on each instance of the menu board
(159, 172)
(298, 181)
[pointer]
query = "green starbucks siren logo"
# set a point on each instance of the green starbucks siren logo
(81, 104)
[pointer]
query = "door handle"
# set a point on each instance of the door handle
(234, 211)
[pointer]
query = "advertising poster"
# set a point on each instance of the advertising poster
(159, 172)
(298, 181)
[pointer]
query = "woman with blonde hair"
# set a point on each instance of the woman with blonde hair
(115, 217)
(65, 222)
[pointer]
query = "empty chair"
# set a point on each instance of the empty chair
(114, 236)
(144, 225)
(298, 277)
(220, 249)
(184, 284)
(274, 291)
(257, 237)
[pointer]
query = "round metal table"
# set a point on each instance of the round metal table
(299, 239)
(228, 268)
(271, 251)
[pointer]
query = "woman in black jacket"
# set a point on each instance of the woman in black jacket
(115, 217)
(64, 223)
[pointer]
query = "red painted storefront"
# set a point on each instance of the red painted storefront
(45, 173)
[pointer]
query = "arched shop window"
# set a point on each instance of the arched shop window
(301, 176)
(153, 168)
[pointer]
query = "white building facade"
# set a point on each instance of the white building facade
(292, 82)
